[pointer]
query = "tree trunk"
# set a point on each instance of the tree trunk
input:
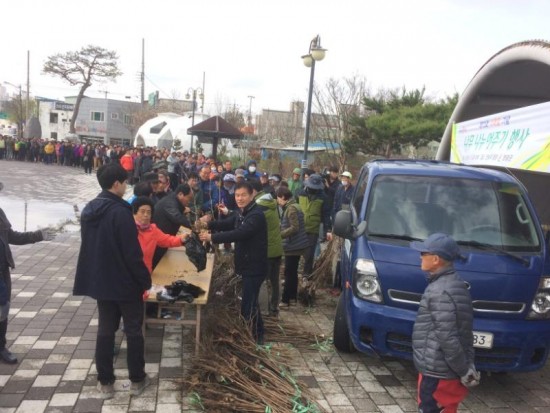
(76, 109)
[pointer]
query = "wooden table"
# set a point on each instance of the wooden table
(175, 265)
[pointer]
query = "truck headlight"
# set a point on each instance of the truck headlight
(366, 281)
(540, 307)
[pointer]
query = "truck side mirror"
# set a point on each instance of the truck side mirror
(343, 226)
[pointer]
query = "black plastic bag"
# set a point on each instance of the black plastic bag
(196, 251)
(183, 287)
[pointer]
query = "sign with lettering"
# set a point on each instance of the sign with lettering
(63, 106)
(518, 138)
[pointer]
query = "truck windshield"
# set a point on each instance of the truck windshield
(472, 211)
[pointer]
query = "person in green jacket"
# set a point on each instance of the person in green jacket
(269, 207)
(295, 182)
(295, 242)
(313, 202)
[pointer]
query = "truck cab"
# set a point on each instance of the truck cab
(503, 260)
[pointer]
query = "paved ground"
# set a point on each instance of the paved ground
(53, 334)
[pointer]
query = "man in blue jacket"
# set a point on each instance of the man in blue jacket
(210, 192)
(111, 270)
(248, 230)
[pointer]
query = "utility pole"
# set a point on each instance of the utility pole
(28, 86)
(250, 111)
(142, 75)
(20, 131)
(203, 89)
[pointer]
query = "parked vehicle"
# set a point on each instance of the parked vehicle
(504, 260)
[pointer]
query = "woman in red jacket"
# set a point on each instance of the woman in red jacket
(127, 162)
(149, 235)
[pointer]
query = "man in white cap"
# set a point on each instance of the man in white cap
(442, 337)
(342, 198)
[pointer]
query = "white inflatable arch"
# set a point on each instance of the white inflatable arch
(517, 76)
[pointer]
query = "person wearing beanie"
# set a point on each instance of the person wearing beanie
(294, 182)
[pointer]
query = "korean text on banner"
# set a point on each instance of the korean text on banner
(518, 138)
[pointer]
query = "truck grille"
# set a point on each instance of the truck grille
(501, 307)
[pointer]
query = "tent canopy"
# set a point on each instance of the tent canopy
(212, 130)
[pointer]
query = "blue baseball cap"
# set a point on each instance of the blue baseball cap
(439, 244)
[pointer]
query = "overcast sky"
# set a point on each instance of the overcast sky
(253, 47)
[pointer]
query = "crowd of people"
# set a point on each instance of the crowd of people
(262, 219)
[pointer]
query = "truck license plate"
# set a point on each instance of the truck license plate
(483, 340)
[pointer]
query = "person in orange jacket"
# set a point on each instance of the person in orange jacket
(127, 162)
(149, 235)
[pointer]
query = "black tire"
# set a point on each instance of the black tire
(342, 340)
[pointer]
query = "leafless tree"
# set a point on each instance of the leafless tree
(81, 68)
(335, 103)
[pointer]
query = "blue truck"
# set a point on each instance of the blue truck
(504, 260)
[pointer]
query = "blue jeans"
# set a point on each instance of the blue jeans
(250, 310)
(110, 313)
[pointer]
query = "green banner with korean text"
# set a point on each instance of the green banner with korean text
(518, 138)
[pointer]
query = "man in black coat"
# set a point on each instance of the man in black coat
(169, 214)
(111, 270)
(248, 230)
(9, 236)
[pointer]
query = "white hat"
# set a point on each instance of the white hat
(229, 178)
(346, 174)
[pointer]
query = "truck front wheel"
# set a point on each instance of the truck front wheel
(342, 340)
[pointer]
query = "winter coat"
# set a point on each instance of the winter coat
(269, 207)
(146, 164)
(152, 236)
(316, 210)
(110, 263)
(168, 214)
(210, 195)
(9, 236)
(248, 230)
(442, 335)
(293, 230)
(295, 186)
(330, 190)
(342, 197)
(127, 162)
(228, 199)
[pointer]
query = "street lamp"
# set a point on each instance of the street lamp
(193, 92)
(316, 53)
